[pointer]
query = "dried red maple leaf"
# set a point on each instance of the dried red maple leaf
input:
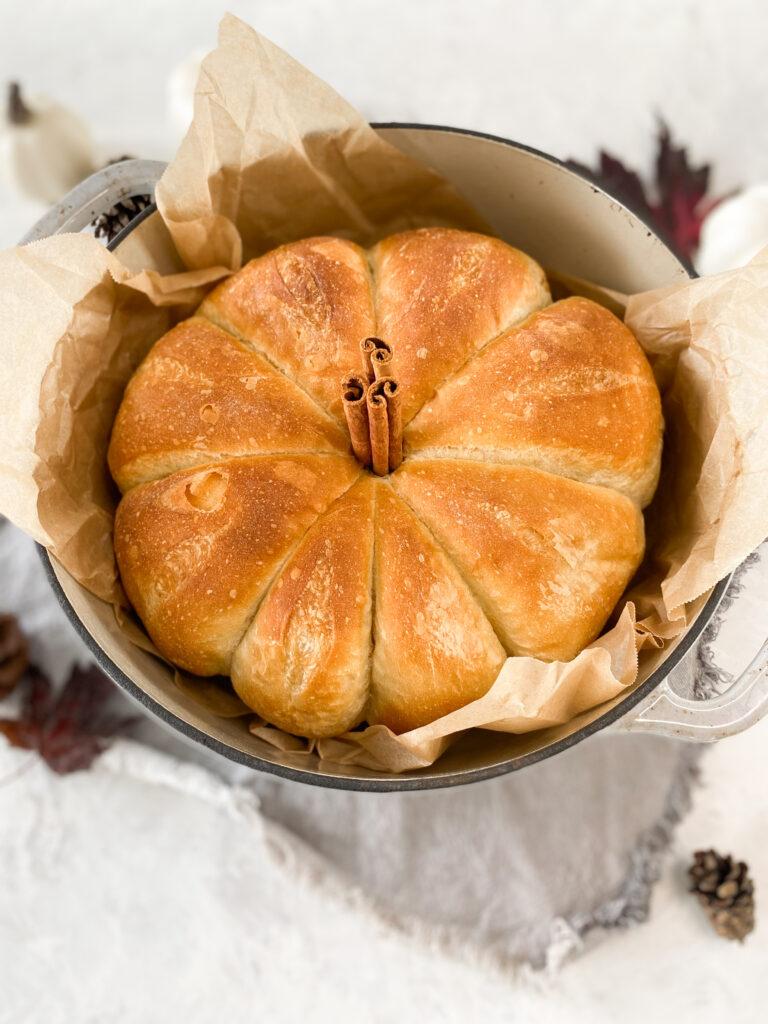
(70, 729)
(679, 204)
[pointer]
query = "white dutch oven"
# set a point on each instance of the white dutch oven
(565, 222)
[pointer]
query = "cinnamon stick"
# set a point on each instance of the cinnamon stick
(377, 358)
(386, 422)
(378, 420)
(394, 394)
(353, 397)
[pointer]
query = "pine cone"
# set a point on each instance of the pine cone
(726, 892)
(14, 659)
(108, 225)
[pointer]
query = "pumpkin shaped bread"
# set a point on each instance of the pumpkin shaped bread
(252, 543)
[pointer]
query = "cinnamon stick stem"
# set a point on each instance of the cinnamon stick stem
(379, 425)
(386, 420)
(373, 408)
(353, 397)
(377, 358)
(395, 421)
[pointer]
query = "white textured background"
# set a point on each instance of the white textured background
(562, 76)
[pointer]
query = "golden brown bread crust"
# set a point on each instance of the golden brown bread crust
(569, 391)
(282, 568)
(306, 306)
(197, 549)
(200, 396)
(303, 663)
(434, 650)
(547, 557)
(441, 295)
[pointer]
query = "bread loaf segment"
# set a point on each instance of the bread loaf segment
(201, 395)
(306, 306)
(441, 295)
(547, 557)
(434, 649)
(570, 391)
(197, 550)
(304, 662)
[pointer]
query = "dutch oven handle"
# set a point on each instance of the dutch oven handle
(665, 713)
(96, 195)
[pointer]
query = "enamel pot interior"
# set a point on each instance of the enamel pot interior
(566, 223)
